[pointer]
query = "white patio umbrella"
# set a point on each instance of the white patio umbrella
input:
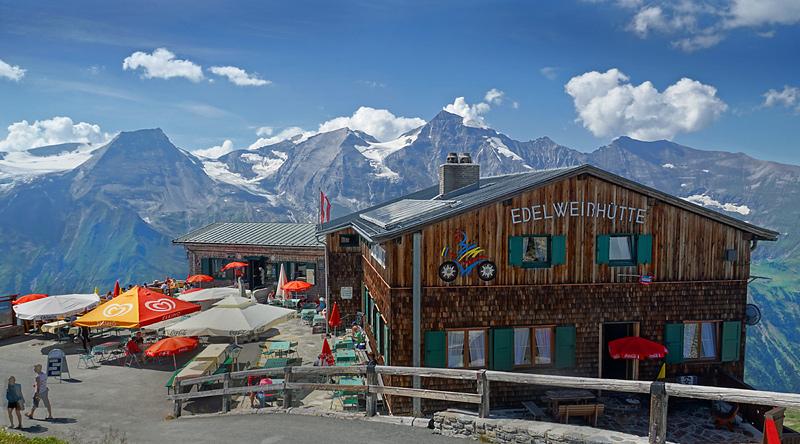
(209, 294)
(233, 316)
(56, 306)
(280, 293)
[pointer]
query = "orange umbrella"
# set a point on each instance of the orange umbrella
(171, 347)
(199, 278)
(335, 320)
(234, 265)
(296, 286)
(136, 308)
(327, 354)
(117, 291)
(28, 298)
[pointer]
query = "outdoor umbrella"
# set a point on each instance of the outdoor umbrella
(28, 298)
(117, 290)
(296, 286)
(327, 354)
(635, 347)
(171, 347)
(136, 308)
(231, 265)
(208, 294)
(280, 293)
(232, 317)
(199, 278)
(334, 319)
(56, 306)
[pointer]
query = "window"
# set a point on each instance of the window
(212, 266)
(700, 340)
(466, 348)
(348, 240)
(533, 346)
(620, 250)
(378, 253)
(536, 250)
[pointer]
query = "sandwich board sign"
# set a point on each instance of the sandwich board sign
(56, 363)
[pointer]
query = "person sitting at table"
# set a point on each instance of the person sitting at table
(132, 347)
(321, 305)
(359, 338)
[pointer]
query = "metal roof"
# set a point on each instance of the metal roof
(492, 189)
(401, 211)
(269, 234)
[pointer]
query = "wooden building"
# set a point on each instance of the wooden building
(264, 246)
(537, 272)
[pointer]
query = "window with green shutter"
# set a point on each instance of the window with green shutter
(644, 248)
(558, 250)
(386, 344)
(673, 340)
(565, 346)
(731, 340)
(435, 352)
(536, 250)
(601, 249)
(205, 266)
(502, 349)
(515, 251)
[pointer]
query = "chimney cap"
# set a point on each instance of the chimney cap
(452, 157)
(465, 158)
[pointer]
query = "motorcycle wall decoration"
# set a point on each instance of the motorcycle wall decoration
(465, 258)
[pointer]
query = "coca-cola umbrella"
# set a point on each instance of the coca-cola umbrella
(232, 265)
(171, 347)
(28, 298)
(635, 347)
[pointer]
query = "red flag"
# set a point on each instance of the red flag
(335, 320)
(771, 430)
(327, 354)
(116, 288)
(327, 209)
(324, 208)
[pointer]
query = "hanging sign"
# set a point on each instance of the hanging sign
(575, 208)
(346, 292)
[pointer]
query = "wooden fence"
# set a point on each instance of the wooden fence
(292, 380)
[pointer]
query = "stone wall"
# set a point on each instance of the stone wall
(517, 431)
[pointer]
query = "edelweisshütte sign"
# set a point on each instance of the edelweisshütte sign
(575, 208)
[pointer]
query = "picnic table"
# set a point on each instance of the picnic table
(568, 396)
(345, 356)
(291, 303)
(276, 363)
(213, 352)
(318, 320)
(107, 349)
(279, 348)
(196, 369)
(307, 314)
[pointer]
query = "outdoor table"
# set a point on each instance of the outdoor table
(318, 319)
(344, 344)
(212, 353)
(53, 327)
(195, 369)
(276, 363)
(279, 348)
(345, 356)
(291, 303)
(568, 396)
(307, 314)
(351, 380)
(106, 348)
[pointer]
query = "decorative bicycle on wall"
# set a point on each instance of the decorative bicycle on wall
(464, 259)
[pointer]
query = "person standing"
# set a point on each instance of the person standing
(14, 401)
(85, 338)
(40, 392)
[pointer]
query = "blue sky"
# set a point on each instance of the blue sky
(323, 60)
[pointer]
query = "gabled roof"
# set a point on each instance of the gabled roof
(493, 189)
(266, 234)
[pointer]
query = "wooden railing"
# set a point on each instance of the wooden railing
(659, 391)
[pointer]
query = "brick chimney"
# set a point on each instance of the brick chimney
(458, 172)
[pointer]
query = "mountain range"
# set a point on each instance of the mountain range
(75, 216)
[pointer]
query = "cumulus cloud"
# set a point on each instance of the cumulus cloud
(216, 151)
(756, 13)
(23, 135)
(11, 72)
(494, 96)
(238, 76)
(609, 105)
(379, 123)
(265, 131)
(162, 64)
(474, 114)
(788, 97)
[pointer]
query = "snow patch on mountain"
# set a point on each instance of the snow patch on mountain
(707, 201)
(219, 172)
(265, 166)
(376, 153)
(668, 166)
(17, 164)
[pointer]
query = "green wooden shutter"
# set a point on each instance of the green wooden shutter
(644, 248)
(386, 346)
(435, 355)
(673, 340)
(565, 346)
(205, 266)
(601, 248)
(515, 250)
(558, 250)
(731, 340)
(376, 330)
(503, 349)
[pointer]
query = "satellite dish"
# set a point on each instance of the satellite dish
(752, 314)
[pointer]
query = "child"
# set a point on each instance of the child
(15, 401)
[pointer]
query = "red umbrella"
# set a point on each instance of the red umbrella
(296, 286)
(199, 278)
(334, 320)
(234, 265)
(28, 298)
(634, 347)
(327, 354)
(117, 291)
(171, 347)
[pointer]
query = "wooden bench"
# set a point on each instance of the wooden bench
(587, 411)
(533, 409)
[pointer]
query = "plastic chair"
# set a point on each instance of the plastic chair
(86, 359)
(131, 358)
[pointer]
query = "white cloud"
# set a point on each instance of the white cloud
(756, 13)
(698, 42)
(609, 105)
(238, 76)
(265, 131)
(215, 152)
(162, 64)
(472, 114)
(788, 97)
(11, 72)
(549, 72)
(379, 123)
(23, 135)
(494, 96)
(285, 134)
